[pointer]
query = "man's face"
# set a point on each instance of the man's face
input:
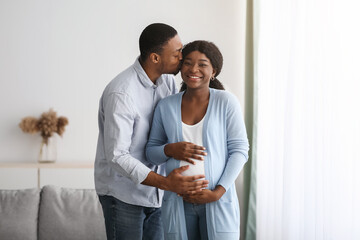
(171, 56)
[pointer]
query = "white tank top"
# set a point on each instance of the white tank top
(193, 134)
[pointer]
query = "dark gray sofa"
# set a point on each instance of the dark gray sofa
(51, 213)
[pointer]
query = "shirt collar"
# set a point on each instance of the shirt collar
(144, 79)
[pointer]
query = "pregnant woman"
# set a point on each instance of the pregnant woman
(205, 114)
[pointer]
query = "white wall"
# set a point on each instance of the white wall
(61, 54)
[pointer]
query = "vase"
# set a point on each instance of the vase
(48, 151)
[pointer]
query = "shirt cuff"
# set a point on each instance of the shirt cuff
(140, 174)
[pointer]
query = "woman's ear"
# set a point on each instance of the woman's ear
(154, 57)
(213, 74)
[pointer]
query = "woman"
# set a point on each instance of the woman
(207, 117)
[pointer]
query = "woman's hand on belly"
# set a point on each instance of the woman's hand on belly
(185, 151)
(205, 196)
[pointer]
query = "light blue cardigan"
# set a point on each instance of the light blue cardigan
(225, 140)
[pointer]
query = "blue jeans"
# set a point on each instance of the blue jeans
(126, 221)
(195, 217)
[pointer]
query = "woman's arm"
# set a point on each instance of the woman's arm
(157, 140)
(237, 143)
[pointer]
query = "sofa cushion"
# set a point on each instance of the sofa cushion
(19, 213)
(70, 214)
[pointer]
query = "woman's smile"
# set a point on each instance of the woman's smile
(193, 77)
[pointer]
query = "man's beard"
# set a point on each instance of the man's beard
(176, 71)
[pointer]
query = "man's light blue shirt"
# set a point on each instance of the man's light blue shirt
(125, 114)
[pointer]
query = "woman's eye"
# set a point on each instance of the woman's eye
(202, 65)
(186, 63)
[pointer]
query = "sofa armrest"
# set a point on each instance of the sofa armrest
(19, 213)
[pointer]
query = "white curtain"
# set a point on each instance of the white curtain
(307, 75)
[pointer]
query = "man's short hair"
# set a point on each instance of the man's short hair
(153, 38)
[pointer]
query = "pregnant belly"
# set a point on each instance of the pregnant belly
(196, 169)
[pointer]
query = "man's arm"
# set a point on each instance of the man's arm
(119, 116)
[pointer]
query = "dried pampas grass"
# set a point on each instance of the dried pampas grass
(47, 125)
(29, 125)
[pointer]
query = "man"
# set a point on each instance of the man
(127, 184)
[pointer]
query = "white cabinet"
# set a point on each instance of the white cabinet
(18, 178)
(62, 174)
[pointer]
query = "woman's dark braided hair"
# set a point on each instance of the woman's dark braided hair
(213, 53)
